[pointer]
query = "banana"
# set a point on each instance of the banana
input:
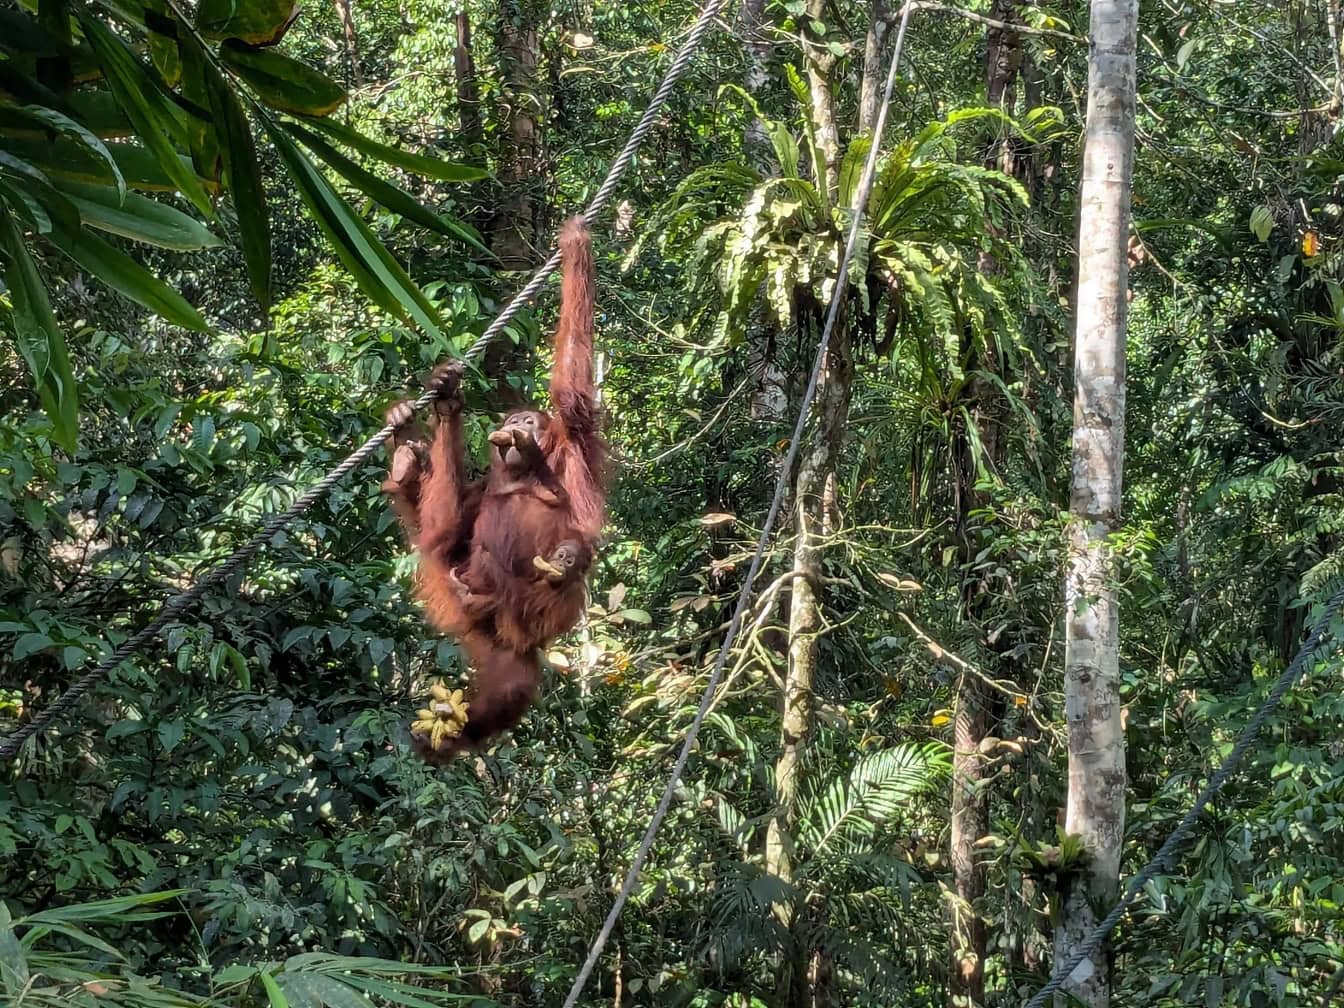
(439, 692)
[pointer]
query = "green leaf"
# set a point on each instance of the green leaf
(426, 167)
(27, 206)
(146, 106)
(397, 200)
(138, 218)
(1262, 223)
(137, 164)
(30, 644)
(243, 175)
(124, 275)
(371, 265)
(256, 22)
(39, 337)
(282, 82)
(14, 974)
(51, 121)
(98, 110)
(273, 992)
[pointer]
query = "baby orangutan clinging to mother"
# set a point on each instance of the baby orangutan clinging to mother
(503, 557)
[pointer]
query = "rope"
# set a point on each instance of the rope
(758, 558)
(1285, 682)
(176, 607)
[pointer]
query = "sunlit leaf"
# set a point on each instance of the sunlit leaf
(39, 338)
(256, 22)
(426, 167)
(282, 82)
(146, 106)
(371, 265)
(397, 200)
(138, 218)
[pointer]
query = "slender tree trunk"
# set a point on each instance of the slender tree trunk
(513, 231)
(819, 66)
(870, 89)
(758, 47)
(975, 716)
(468, 92)
(812, 523)
(1096, 800)
(347, 15)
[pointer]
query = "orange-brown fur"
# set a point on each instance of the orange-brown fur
(487, 532)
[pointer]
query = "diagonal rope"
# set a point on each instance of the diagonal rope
(758, 558)
(1285, 682)
(175, 608)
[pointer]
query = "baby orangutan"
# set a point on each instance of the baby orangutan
(568, 563)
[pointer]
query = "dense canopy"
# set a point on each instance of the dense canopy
(234, 232)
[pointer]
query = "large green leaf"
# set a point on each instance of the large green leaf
(397, 200)
(98, 110)
(49, 121)
(124, 275)
(256, 22)
(138, 218)
(63, 159)
(146, 106)
(39, 337)
(426, 167)
(372, 266)
(244, 180)
(283, 83)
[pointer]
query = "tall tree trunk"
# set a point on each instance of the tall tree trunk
(758, 47)
(974, 704)
(1096, 801)
(468, 91)
(513, 231)
(819, 64)
(870, 89)
(812, 525)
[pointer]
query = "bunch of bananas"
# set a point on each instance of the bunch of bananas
(444, 718)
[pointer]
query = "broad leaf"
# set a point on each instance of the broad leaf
(282, 82)
(50, 121)
(138, 218)
(397, 200)
(124, 275)
(426, 167)
(39, 337)
(146, 106)
(256, 22)
(245, 184)
(372, 266)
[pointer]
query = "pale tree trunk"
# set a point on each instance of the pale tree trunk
(1096, 800)
(819, 64)
(758, 47)
(347, 15)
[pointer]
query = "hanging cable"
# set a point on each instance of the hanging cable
(175, 608)
(758, 558)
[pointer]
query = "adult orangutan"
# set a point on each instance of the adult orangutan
(539, 508)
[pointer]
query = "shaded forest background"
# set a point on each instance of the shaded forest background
(254, 766)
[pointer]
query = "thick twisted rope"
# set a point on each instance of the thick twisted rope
(758, 558)
(176, 607)
(1093, 941)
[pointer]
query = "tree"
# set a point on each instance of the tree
(1096, 795)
